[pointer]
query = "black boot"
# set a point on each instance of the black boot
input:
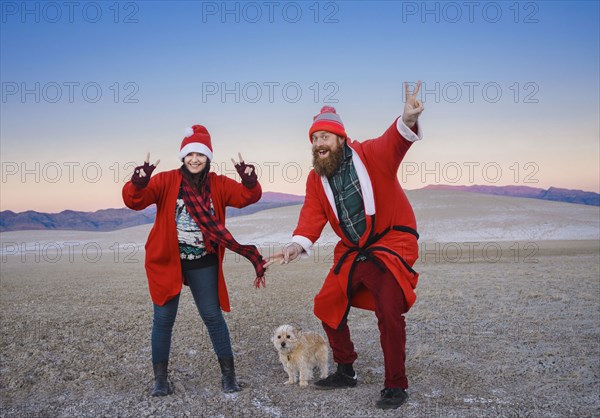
(228, 380)
(344, 377)
(161, 383)
(392, 398)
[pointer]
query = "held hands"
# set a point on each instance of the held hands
(290, 252)
(246, 171)
(142, 173)
(412, 107)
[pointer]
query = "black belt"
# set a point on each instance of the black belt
(366, 253)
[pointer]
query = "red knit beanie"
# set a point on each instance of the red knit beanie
(197, 139)
(328, 120)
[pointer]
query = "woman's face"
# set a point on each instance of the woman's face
(195, 162)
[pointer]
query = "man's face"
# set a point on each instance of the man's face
(327, 149)
(195, 162)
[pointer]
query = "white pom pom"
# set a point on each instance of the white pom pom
(189, 132)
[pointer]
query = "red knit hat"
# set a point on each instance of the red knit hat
(328, 120)
(197, 139)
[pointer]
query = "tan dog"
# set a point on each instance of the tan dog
(300, 352)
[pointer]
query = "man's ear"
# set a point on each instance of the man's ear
(341, 140)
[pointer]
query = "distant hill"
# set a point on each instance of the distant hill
(112, 219)
(269, 200)
(449, 222)
(553, 193)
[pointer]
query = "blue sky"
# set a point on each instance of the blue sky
(511, 90)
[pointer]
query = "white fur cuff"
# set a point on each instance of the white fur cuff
(407, 133)
(304, 243)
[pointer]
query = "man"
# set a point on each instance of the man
(354, 187)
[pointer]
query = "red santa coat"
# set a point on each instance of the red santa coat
(376, 162)
(163, 264)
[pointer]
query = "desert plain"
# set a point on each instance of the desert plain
(506, 323)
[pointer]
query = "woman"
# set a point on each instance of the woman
(187, 243)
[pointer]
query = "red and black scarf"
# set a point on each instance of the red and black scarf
(214, 232)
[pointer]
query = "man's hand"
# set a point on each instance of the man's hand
(290, 252)
(142, 173)
(413, 107)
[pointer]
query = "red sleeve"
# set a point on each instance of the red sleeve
(312, 218)
(140, 198)
(237, 195)
(389, 149)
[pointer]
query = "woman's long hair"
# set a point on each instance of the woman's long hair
(197, 180)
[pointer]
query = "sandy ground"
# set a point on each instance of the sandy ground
(502, 328)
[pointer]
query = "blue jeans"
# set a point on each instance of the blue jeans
(203, 284)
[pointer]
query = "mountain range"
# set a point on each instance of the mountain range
(113, 219)
(553, 193)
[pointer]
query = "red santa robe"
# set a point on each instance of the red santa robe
(163, 264)
(376, 162)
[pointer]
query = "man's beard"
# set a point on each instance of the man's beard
(328, 166)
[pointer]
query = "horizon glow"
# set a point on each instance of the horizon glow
(511, 91)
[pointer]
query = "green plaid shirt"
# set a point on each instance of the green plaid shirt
(348, 198)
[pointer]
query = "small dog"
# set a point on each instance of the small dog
(300, 352)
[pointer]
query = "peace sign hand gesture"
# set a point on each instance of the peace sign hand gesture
(412, 107)
(246, 171)
(142, 173)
